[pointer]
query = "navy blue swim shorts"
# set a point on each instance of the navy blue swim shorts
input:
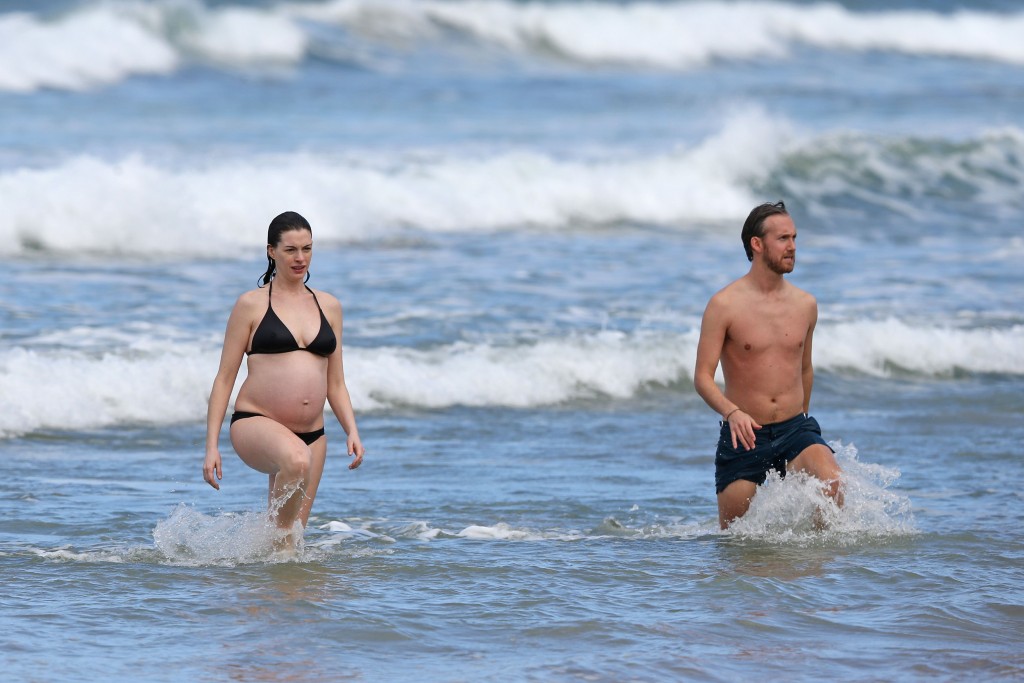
(775, 445)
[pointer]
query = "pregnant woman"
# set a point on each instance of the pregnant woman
(292, 335)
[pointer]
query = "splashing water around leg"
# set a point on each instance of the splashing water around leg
(189, 537)
(797, 508)
(282, 514)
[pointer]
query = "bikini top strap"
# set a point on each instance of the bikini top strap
(314, 297)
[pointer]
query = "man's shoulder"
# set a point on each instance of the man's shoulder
(801, 296)
(727, 304)
(742, 293)
(732, 293)
(734, 288)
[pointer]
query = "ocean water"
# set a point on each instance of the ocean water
(523, 207)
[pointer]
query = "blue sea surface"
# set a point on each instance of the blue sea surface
(523, 208)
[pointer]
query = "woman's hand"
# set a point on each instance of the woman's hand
(355, 448)
(212, 468)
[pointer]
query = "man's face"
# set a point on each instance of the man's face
(778, 245)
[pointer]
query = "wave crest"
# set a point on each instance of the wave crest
(714, 182)
(110, 41)
(117, 387)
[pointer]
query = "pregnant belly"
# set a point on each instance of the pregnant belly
(290, 388)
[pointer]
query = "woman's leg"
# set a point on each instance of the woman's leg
(318, 451)
(270, 447)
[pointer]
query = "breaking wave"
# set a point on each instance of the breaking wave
(137, 206)
(102, 43)
(117, 387)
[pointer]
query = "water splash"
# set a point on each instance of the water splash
(794, 510)
(189, 537)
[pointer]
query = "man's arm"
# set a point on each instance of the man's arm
(807, 369)
(709, 353)
(713, 329)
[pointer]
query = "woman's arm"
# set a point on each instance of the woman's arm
(236, 338)
(337, 392)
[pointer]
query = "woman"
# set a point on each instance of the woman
(292, 335)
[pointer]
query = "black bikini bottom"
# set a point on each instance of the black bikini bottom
(307, 437)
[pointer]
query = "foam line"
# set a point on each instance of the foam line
(104, 43)
(369, 197)
(66, 389)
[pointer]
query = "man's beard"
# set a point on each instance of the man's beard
(780, 265)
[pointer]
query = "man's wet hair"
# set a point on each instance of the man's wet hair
(754, 225)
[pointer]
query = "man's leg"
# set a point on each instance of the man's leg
(734, 501)
(819, 462)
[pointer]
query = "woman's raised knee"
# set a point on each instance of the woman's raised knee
(296, 463)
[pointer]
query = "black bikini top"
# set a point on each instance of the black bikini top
(273, 336)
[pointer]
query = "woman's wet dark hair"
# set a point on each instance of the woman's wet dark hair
(285, 222)
(754, 225)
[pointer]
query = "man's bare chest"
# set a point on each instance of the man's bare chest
(768, 331)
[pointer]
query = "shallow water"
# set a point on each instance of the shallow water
(458, 560)
(523, 214)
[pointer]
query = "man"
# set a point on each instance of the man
(760, 327)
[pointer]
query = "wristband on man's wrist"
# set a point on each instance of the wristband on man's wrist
(726, 418)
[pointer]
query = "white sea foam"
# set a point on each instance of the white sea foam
(59, 389)
(680, 34)
(794, 510)
(104, 42)
(242, 36)
(790, 511)
(503, 532)
(342, 531)
(419, 530)
(896, 174)
(94, 46)
(547, 372)
(423, 531)
(882, 347)
(191, 538)
(66, 554)
(137, 206)
(611, 526)
(55, 389)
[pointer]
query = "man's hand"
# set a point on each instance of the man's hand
(742, 427)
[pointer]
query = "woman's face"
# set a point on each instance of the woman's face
(292, 253)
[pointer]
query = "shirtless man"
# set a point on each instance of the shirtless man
(760, 327)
